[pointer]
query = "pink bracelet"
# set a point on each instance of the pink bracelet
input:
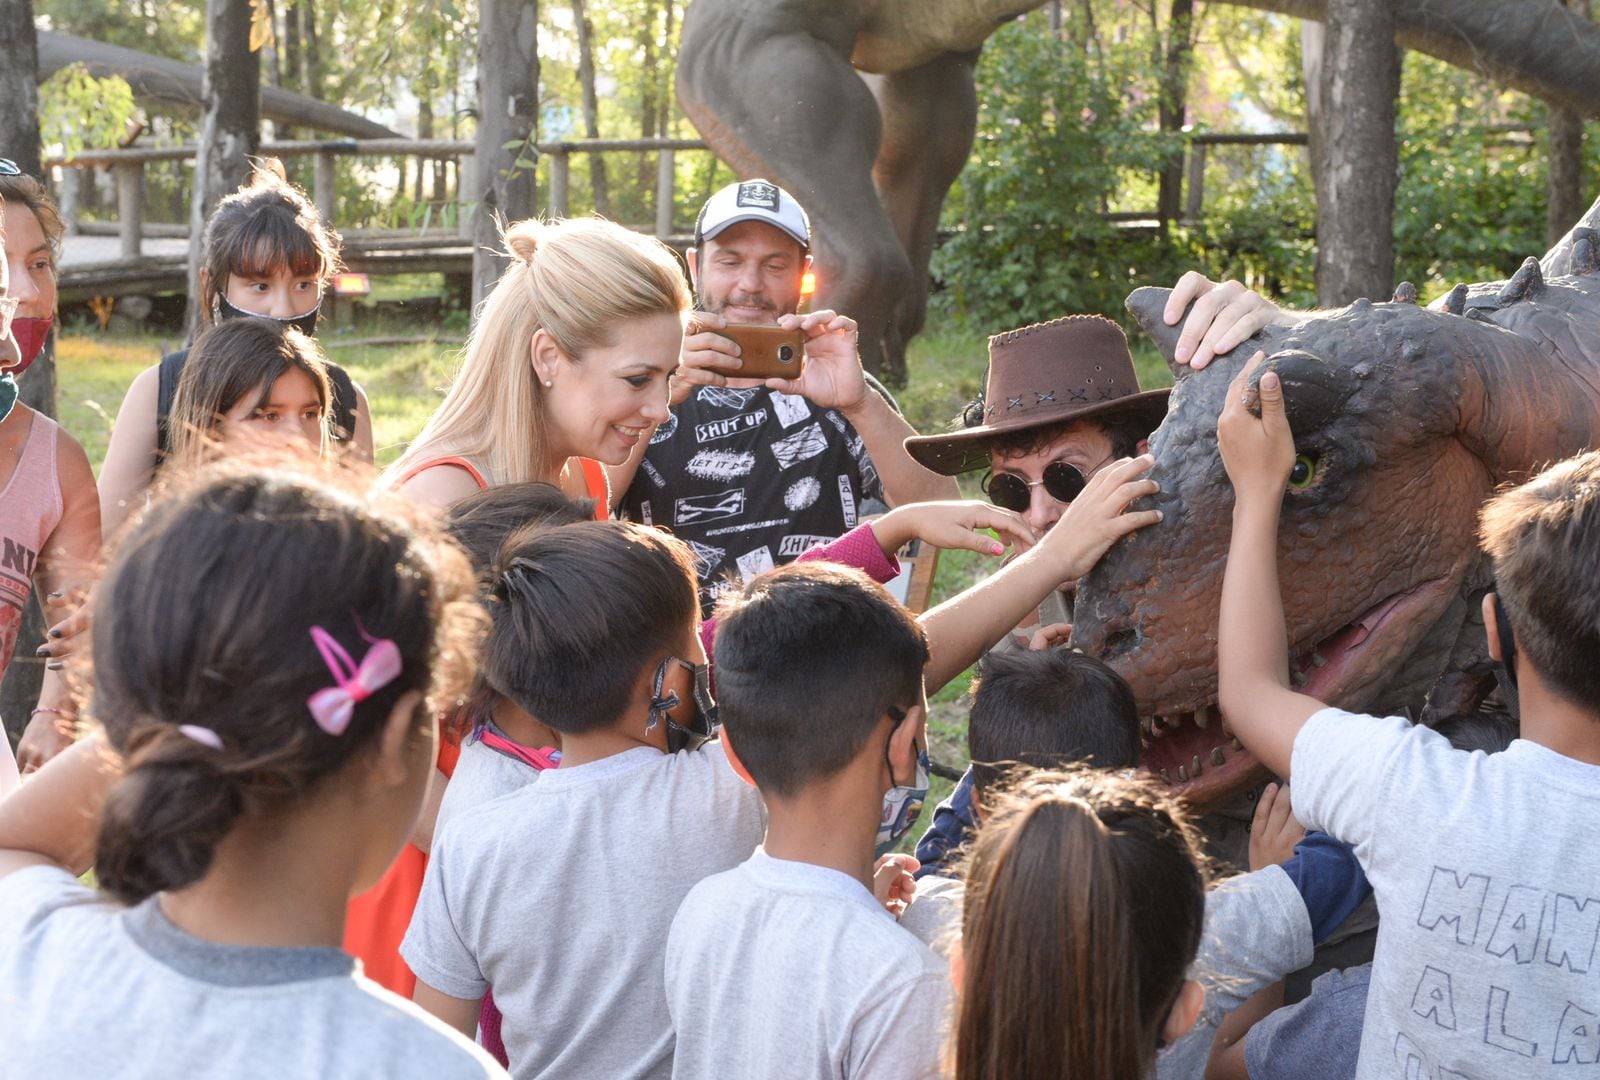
(47, 709)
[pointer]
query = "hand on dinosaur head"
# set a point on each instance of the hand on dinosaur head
(1253, 434)
(1224, 317)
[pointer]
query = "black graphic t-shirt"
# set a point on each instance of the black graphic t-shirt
(752, 479)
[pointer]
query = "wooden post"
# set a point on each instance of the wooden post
(1194, 195)
(666, 184)
(560, 163)
(466, 184)
(322, 184)
(130, 207)
(70, 179)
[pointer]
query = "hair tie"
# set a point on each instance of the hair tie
(202, 735)
(333, 706)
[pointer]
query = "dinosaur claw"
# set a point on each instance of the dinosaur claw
(1527, 281)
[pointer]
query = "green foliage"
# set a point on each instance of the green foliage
(78, 110)
(1057, 139)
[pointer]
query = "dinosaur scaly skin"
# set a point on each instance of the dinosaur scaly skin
(1408, 418)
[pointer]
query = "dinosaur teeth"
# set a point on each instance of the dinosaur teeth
(1183, 774)
(1202, 716)
(1217, 756)
(1194, 765)
(1318, 660)
(1148, 723)
(1166, 776)
(1237, 745)
(1297, 677)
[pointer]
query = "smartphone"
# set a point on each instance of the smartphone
(768, 352)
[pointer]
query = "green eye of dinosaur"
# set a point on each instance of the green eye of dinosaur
(1304, 471)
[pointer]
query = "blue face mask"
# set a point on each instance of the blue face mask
(902, 804)
(305, 323)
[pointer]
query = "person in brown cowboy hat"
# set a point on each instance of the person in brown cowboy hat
(1060, 402)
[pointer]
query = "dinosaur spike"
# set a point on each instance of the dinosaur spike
(1405, 293)
(1585, 250)
(1527, 281)
(1456, 302)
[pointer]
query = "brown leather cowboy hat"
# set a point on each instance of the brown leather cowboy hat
(1074, 368)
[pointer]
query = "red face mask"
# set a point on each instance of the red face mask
(30, 335)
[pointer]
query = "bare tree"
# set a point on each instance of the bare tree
(591, 105)
(230, 124)
(508, 99)
(1565, 200)
(1355, 163)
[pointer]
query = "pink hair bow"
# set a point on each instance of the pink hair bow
(333, 706)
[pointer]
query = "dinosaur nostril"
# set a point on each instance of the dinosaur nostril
(1119, 642)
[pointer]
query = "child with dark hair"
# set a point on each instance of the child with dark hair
(1482, 866)
(266, 253)
(594, 635)
(267, 743)
(819, 676)
(1041, 708)
(1085, 906)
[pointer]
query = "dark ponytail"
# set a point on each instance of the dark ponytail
(203, 658)
(1083, 911)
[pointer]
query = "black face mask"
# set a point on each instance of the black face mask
(1508, 642)
(306, 324)
(686, 730)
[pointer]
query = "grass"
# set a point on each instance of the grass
(403, 383)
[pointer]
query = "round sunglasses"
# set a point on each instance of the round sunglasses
(1061, 480)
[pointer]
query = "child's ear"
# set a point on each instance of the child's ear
(1185, 1011)
(733, 760)
(907, 738)
(1491, 627)
(397, 749)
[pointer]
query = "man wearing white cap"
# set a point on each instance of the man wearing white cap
(753, 472)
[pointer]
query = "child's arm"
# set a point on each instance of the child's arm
(54, 818)
(66, 567)
(458, 1013)
(131, 456)
(962, 628)
(1252, 642)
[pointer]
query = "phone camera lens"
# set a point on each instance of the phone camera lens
(785, 354)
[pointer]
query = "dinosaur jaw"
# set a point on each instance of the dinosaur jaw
(1195, 751)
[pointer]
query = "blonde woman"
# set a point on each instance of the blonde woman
(567, 366)
(566, 371)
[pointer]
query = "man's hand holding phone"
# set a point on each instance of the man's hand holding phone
(708, 357)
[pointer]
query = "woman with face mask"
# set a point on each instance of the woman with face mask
(49, 511)
(266, 253)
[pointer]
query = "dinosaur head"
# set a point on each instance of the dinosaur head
(1404, 420)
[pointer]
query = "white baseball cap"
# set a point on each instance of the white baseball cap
(753, 200)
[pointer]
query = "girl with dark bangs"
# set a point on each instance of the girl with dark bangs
(268, 254)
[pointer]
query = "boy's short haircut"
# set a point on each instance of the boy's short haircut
(579, 611)
(809, 659)
(483, 521)
(1488, 729)
(1544, 538)
(1045, 709)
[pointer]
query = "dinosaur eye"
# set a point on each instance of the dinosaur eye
(1304, 471)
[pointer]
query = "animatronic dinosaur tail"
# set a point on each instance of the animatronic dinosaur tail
(1405, 419)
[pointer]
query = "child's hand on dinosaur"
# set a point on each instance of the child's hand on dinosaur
(1257, 450)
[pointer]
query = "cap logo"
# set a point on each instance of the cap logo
(757, 193)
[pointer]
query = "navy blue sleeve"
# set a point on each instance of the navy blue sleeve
(1330, 880)
(952, 822)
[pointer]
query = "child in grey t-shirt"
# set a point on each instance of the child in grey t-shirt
(265, 648)
(560, 894)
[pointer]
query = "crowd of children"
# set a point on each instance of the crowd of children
(443, 773)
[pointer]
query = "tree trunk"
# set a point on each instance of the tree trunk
(591, 105)
(649, 87)
(1357, 164)
(508, 88)
(230, 125)
(1174, 107)
(289, 61)
(424, 131)
(19, 136)
(1565, 200)
(310, 49)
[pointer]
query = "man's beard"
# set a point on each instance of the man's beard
(761, 302)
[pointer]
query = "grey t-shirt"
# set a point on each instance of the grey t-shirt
(934, 914)
(482, 773)
(89, 988)
(560, 895)
(1488, 879)
(782, 968)
(1256, 931)
(1320, 1036)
